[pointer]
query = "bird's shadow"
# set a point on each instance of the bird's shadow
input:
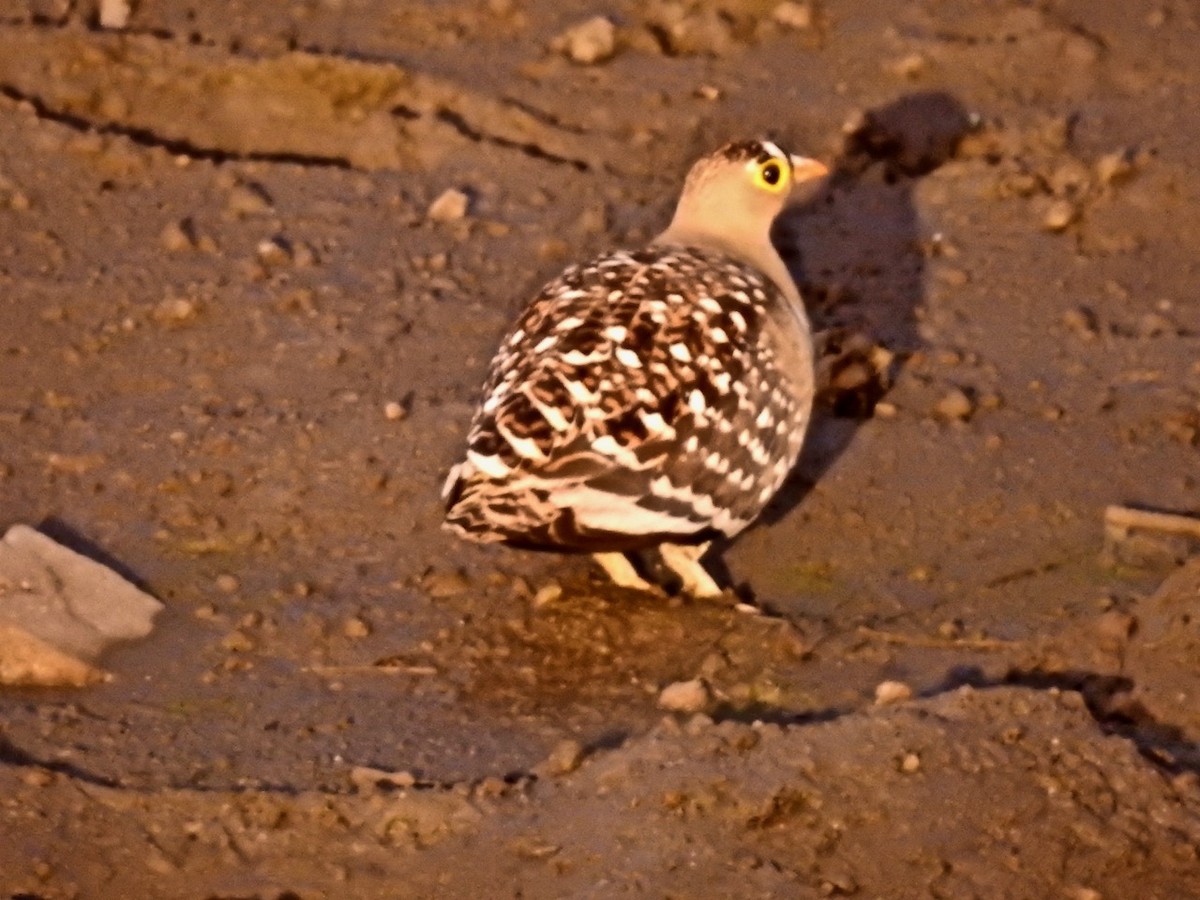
(857, 251)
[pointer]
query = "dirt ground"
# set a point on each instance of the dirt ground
(239, 352)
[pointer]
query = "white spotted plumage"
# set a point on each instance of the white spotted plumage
(648, 396)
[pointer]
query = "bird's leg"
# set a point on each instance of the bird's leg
(684, 561)
(622, 573)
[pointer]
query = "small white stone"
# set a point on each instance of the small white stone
(1059, 215)
(547, 593)
(886, 410)
(956, 405)
(793, 15)
(115, 13)
(274, 251)
(450, 206)
(588, 42)
(887, 692)
(393, 411)
(175, 310)
(685, 696)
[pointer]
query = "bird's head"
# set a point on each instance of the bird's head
(734, 193)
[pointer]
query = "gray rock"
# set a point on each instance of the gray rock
(68, 607)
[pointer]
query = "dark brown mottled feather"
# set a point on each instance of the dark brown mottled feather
(639, 398)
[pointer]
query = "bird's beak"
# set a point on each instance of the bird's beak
(805, 169)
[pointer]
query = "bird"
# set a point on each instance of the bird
(651, 398)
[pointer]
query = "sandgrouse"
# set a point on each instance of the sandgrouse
(654, 397)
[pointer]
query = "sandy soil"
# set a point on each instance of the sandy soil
(239, 356)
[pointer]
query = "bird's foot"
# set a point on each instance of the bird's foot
(622, 573)
(684, 561)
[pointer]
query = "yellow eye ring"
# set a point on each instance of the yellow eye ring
(771, 176)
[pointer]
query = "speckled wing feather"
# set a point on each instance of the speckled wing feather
(642, 397)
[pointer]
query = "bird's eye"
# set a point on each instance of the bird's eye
(770, 175)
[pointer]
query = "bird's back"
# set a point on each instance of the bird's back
(650, 395)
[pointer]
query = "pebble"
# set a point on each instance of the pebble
(37, 777)
(175, 310)
(177, 237)
(565, 758)
(227, 584)
(798, 16)
(887, 692)
(955, 406)
(909, 67)
(910, 763)
(237, 642)
(685, 696)
(547, 594)
(1081, 322)
(1059, 215)
(491, 786)
(589, 42)
(1113, 168)
(837, 881)
(701, 31)
(304, 256)
(74, 464)
(393, 411)
(951, 629)
(274, 251)
(1154, 324)
(441, 585)
(1114, 628)
(248, 200)
(114, 13)
(356, 627)
(368, 779)
(450, 206)
(535, 849)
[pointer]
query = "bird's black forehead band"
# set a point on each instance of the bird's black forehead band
(758, 151)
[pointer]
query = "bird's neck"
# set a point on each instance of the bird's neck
(760, 254)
